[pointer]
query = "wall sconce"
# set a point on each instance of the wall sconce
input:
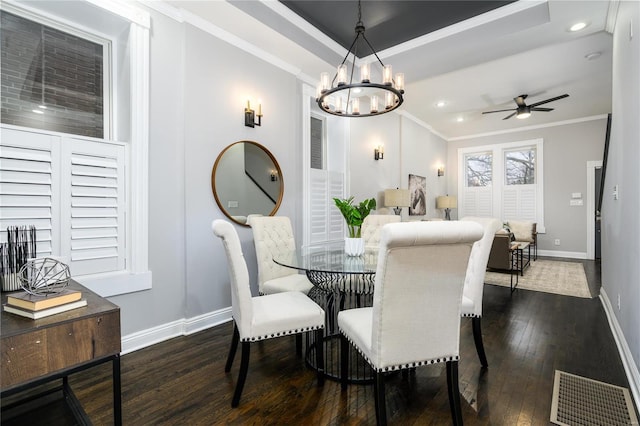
(274, 176)
(440, 171)
(250, 116)
(378, 153)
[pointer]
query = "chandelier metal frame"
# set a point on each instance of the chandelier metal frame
(392, 87)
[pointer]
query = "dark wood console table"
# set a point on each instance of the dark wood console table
(34, 352)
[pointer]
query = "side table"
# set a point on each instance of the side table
(35, 352)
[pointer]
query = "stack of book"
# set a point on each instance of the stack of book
(35, 307)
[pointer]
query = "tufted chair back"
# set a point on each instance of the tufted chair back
(418, 291)
(241, 306)
(474, 280)
(272, 235)
(371, 227)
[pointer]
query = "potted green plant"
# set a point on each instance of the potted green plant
(354, 215)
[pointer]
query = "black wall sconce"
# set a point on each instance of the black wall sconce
(378, 153)
(440, 171)
(274, 176)
(250, 116)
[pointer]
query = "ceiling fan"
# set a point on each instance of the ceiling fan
(523, 110)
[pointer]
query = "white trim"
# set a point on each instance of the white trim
(460, 27)
(630, 367)
(419, 122)
(125, 9)
(591, 207)
(612, 16)
(182, 327)
(138, 229)
(567, 254)
(308, 93)
(165, 9)
(523, 129)
(237, 42)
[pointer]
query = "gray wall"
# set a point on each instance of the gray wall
(620, 218)
(409, 148)
(567, 149)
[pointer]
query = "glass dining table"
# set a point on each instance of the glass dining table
(339, 282)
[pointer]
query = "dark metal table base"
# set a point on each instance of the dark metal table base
(333, 301)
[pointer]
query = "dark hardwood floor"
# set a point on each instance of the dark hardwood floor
(528, 335)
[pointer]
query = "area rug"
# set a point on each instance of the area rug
(549, 276)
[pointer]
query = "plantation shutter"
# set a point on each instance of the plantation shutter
(29, 178)
(519, 202)
(477, 202)
(72, 190)
(94, 194)
(326, 222)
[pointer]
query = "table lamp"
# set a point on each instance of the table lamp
(447, 203)
(397, 198)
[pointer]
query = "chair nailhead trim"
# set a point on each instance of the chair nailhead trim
(401, 366)
(471, 316)
(281, 333)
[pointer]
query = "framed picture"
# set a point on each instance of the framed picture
(418, 191)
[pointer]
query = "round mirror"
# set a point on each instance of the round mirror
(246, 179)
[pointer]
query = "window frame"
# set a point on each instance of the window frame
(136, 276)
(498, 186)
(108, 56)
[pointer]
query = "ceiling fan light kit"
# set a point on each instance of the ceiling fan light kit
(523, 110)
(336, 96)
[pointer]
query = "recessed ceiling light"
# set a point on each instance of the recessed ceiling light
(440, 104)
(460, 119)
(357, 90)
(578, 26)
(593, 55)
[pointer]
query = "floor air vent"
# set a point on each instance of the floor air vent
(581, 401)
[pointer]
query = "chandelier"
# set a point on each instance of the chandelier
(364, 98)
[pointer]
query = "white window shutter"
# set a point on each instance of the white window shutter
(336, 221)
(477, 201)
(29, 178)
(93, 206)
(519, 202)
(318, 209)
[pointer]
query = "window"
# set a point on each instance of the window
(520, 167)
(51, 79)
(478, 169)
(81, 180)
(317, 143)
(503, 180)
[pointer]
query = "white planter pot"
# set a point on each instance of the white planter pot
(354, 246)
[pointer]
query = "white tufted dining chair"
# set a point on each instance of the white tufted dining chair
(415, 318)
(371, 226)
(273, 235)
(474, 280)
(263, 317)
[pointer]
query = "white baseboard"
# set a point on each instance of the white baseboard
(182, 327)
(567, 254)
(630, 367)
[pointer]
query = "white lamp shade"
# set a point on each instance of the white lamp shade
(397, 198)
(446, 202)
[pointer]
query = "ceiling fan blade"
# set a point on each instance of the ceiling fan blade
(549, 100)
(542, 109)
(509, 116)
(499, 110)
(520, 100)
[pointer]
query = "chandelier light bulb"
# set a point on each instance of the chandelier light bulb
(374, 104)
(339, 104)
(342, 74)
(387, 75)
(355, 106)
(400, 82)
(324, 82)
(365, 73)
(389, 100)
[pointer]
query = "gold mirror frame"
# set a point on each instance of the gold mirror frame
(221, 202)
